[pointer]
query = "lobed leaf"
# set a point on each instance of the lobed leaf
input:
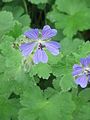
(35, 106)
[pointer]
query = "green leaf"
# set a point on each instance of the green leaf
(64, 65)
(11, 63)
(82, 105)
(8, 85)
(16, 30)
(4, 25)
(19, 14)
(14, 82)
(9, 108)
(84, 50)
(12, 56)
(25, 20)
(16, 10)
(35, 106)
(71, 6)
(69, 46)
(2, 65)
(85, 95)
(7, 0)
(88, 2)
(56, 84)
(63, 72)
(71, 16)
(12, 77)
(38, 1)
(83, 113)
(67, 82)
(54, 59)
(49, 92)
(42, 70)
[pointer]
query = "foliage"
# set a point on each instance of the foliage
(47, 91)
(4, 25)
(70, 16)
(38, 107)
(38, 1)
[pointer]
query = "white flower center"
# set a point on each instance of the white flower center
(40, 41)
(86, 70)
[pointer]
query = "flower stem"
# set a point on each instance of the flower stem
(25, 6)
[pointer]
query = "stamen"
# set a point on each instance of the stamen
(40, 46)
(86, 71)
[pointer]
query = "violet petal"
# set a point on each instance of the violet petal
(54, 44)
(77, 69)
(84, 62)
(47, 32)
(27, 48)
(40, 56)
(52, 48)
(82, 81)
(32, 34)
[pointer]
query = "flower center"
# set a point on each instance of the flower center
(86, 71)
(40, 41)
(40, 46)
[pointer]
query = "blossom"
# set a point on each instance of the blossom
(82, 72)
(38, 41)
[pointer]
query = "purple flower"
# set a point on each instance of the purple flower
(38, 42)
(82, 72)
